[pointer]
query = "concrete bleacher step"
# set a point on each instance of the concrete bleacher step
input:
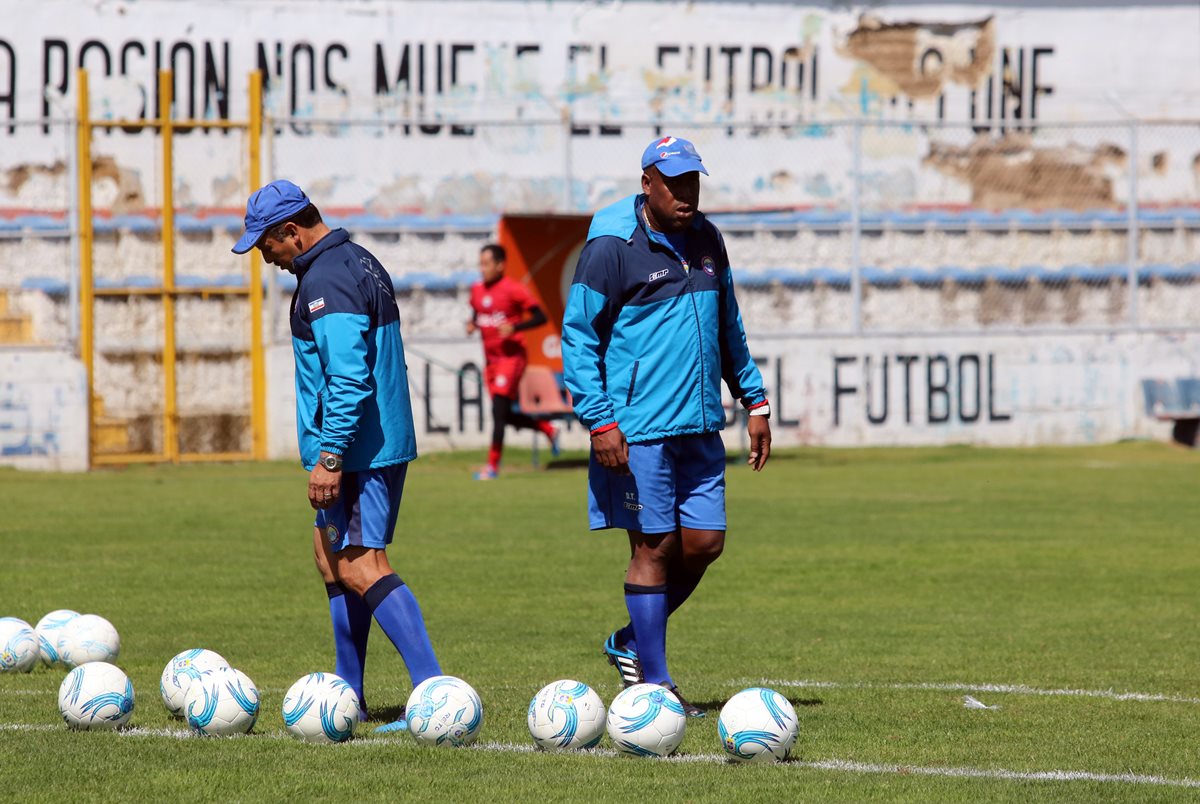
(15, 328)
(110, 435)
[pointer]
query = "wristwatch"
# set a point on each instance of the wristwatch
(332, 462)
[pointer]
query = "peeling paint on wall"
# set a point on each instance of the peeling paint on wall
(128, 195)
(16, 177)
(1011, 172)
(919, 58)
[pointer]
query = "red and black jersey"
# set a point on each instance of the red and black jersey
(505, 301)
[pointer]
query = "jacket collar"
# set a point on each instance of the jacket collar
(623, 218)
(335, 238)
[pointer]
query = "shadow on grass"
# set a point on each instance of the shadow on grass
(385, 714)
(715, 706)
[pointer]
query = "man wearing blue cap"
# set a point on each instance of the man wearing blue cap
(650, 330)
(353, 420)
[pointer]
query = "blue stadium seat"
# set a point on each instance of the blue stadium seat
(881, 277)
(47, 285)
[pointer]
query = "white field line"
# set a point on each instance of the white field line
(1013, 689)
(838, 765)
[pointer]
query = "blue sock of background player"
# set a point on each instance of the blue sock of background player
(648, 612)
(398, 614)
(351, 628)
(680, 585)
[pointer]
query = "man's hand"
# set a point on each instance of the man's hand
(612, 451)
(471, 327)
(505, 330)
(760, 441)
(324, 486)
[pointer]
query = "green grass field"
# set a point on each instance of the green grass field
(873, 588)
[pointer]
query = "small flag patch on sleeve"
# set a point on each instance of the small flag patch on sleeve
(318, 304)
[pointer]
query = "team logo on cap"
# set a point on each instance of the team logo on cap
(709, 266)
(664, 142)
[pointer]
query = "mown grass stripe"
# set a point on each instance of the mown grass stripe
(839, 765)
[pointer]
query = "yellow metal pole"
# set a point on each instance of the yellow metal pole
(170, 413)
(87, 301)
(258, 379)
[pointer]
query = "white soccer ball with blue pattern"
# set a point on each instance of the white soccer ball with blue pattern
(444, 711)
(222, 702)
(18, 646)
(646, 720)
(566, 714)
(184, 668)
(96, 696)
(48, 630)
(88, 638)
(321, 708)
(758, 725)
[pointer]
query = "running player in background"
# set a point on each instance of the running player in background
(499, 307)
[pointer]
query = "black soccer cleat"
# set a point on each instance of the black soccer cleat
(625, 660)
(690, 710)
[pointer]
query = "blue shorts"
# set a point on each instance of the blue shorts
(675, 482)
(365, 512)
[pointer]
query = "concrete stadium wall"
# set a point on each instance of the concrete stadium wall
(43, 410)
(993, 390)
(1018, 390)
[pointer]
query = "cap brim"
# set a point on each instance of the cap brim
(677, 167)
(247, 241)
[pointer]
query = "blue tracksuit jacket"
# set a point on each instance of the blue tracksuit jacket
(648, 333)
(351, 379)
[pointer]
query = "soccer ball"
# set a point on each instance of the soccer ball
(646, 720)
(566, 714)
(181, 671)
(758, 725)
(221, 702)
(321, 708)
(444, 710)
(88, 638)
(18, 646)
(48, 631)
(96, 695)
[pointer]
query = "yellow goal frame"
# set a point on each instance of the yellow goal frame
(165, 125)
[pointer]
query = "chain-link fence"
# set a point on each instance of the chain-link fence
(839, 226)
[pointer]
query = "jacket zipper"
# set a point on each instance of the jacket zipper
(700, 340)
(632, 382)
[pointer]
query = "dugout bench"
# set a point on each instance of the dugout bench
(542, 396)
(1176, 401)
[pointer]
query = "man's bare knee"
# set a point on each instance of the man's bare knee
(359, 568)
(701, 548)
(321, 557)
(651, 558)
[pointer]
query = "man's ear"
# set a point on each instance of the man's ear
(645, 181)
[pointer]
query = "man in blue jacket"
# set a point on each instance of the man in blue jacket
(353, 419)
(651, 329)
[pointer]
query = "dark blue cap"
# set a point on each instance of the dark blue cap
(270, 205)
(672, 156)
